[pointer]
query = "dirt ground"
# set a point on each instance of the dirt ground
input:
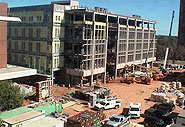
(137, 93)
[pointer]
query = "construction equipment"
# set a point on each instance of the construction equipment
(128, 80)
(167, 49)
(146, 80)
(157, 76)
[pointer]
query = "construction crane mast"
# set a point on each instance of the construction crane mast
(167, 49)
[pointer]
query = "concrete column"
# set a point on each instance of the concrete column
(106, 45)
(117, 48)
(93, 49)
(149, 42)
(154, 44)
(135, 40)
(142, 42)
(126, 58)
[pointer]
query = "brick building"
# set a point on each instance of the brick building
(3, 37)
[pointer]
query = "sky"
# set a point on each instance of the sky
(155, 10)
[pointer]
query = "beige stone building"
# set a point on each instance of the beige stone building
(35, 42)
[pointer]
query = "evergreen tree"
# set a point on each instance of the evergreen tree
(10, 96)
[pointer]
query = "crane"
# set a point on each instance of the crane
(167, 49)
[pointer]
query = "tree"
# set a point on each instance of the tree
(10, 96)
(162, 43)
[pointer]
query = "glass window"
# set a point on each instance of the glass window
(30, 32)
(30, 47)
(16, 32)
(23, 32)
(38, 32)
(23, 46)
(31, 18)
(38, 47)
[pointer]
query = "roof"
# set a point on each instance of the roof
(23, 117)
(44, 122)
(12, 72)
(49, 107)
(14, 112)
(6, 18)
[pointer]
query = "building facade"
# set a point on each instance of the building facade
(3, 37)
(78, 45)
(34, 42)
(98, 43)
(181, 33)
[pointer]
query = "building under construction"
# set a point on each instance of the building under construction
(97, 43)
(78, 45)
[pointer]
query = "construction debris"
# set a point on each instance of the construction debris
(84, 119)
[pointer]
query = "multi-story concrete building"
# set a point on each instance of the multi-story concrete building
(181, 33)
(80, 44)
(98, 42)
(8, 72)
(34, 42)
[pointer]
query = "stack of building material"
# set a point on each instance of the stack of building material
(163, 88)
(167, 86)
(158, 97)
(166, 100)
(179, 85)
(173, 85)
(180, 99)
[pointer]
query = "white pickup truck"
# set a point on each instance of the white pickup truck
(118, 121)
(107, 105)
(134, 110)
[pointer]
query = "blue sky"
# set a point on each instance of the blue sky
(157, 10)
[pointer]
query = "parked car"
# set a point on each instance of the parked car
(107, 105)
(156, 112)
(118, 121)
(164, 106)
(134, 110)
(149, 112)
(152, 121)
(162, 114)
